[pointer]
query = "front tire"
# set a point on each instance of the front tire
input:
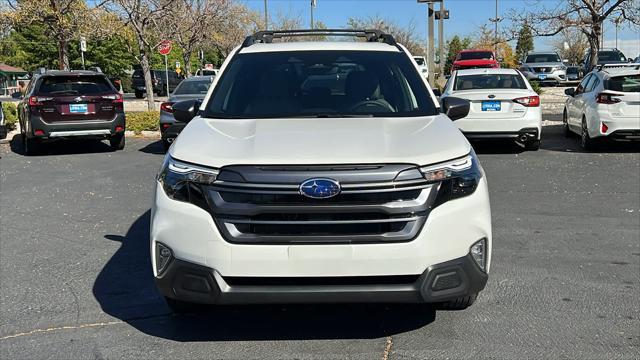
(460, 303)
(586, 141)
(117, 142)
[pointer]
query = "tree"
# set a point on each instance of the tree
(577, 45)
(143, 17)
(194, 22)
(486, 40)
(239, 23)
(525, 42)
(586, 16)
(454, 46)
(405, 35)
(65, 20)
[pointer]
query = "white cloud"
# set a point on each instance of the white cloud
(629, 47)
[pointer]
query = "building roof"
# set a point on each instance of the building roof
(8, 69)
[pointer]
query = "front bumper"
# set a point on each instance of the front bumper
(88, 129)
(190, 282)
(557, 77)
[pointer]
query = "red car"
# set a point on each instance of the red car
(471, 59)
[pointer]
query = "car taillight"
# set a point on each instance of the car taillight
(604, 98)
(37, 100)
(604, 128)
(167, 106)
(528, 101)
(117, 98)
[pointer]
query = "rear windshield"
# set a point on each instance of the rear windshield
(543, 58)
(470, 55)
(320, 84)
(192, 87)
(489, 81)
(627, 83)
(75, 85)
(604, 56)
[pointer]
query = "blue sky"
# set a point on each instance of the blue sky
(466, 16)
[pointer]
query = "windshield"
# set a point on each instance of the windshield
(320, 84)
(604, 56)
(74, 85)
(489, 81)
(543, 58)
(192, 87)
(626, 83)
(471, 55)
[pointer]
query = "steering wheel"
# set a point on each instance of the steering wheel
(372, 105)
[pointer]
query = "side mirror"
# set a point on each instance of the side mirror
(184, 111)
(437, 92)
(455, 108)
(570, 91)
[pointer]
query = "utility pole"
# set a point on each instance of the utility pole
(431, 49)
(440, 40)
(266, 16)
(313, 5)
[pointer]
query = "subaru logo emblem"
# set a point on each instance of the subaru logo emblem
(320, 188)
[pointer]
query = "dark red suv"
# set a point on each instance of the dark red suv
(71, 104)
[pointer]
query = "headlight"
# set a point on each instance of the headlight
(181, 181)
(458, 177)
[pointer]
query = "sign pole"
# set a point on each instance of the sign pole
(166, 72)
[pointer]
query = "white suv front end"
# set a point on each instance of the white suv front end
(291, 198)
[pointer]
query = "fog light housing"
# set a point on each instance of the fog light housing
(164, 255)
(479, 253)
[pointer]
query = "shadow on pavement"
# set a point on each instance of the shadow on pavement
(125, 289)
(553, 139)
(155, 147)
(62, 147)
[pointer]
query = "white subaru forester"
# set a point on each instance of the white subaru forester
(320, 172)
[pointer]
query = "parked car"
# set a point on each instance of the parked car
(503, 105)
(605, 56)
(573, 74)
(422, 65)
(70, 104)
(3, 126)
(272, 194)
(207, 72)
(606, 105)
(637, 60)
(159, 79)
(544, 67)
(472, 59)
(191, 88)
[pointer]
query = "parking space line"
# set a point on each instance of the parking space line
(67, 327)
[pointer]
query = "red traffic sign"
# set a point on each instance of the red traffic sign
(164, 48)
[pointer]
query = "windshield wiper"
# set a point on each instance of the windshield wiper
(331, 115)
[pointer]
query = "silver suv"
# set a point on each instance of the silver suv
(545, 67)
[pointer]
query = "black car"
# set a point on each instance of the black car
(71, 104)
(605, 56)
(159, 79)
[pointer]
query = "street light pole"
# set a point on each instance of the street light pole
(313, 5)
(440, 40)
(266, 16)
(495, 38)
(431, 49)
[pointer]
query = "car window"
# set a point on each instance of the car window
(192, 87)
(74, 85)
(592, 84)
(320, 83)
(542, 58)
(489, 81)
(605, 56)
(470, 55)
(625, 83)
(419, 61)
(583, 84)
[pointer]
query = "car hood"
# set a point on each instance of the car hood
(474, 62)
(419, 140)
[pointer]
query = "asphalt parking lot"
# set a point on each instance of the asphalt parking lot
(76, 278)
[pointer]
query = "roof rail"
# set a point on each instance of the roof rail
(267, 36)
(614, 66)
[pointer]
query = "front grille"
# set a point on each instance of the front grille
(322, 281)
(542, 69)
(262, 205)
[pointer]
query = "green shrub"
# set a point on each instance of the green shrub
(143, 121)
(536, 87)
(10, 115)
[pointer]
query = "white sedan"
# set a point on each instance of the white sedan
(606, 104)
(503, 105)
